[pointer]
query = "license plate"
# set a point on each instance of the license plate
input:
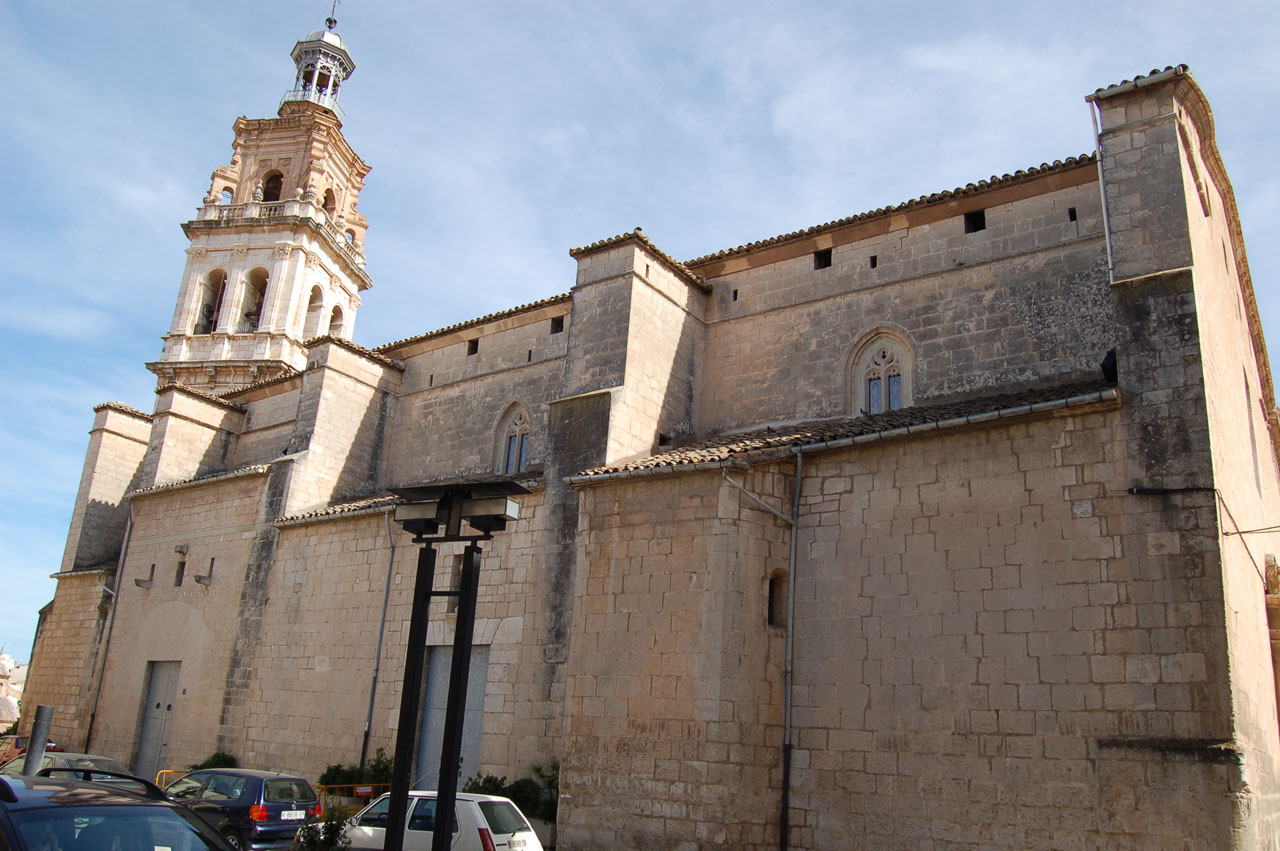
(293, 815)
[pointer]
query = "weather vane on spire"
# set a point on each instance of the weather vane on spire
(332, 21)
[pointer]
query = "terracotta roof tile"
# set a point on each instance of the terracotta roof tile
(199, 394)
(470, 323)
(359, 506)
(122, 408)
(242, 472)
(994, 182)
(1139, 80)
(908, 420)
(685, 274)
(371, 354)
(289, 374)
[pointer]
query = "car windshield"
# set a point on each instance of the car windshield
(502, 817)
(139, 827)
(288, 790)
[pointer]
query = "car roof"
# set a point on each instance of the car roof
(249, 772)
(22, 793)
(462, 796)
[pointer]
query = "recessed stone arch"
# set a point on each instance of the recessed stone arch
(315, 313)
(880, 374)
(213, 289)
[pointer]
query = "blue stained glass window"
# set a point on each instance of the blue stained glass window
(895, 392)
(875, 403)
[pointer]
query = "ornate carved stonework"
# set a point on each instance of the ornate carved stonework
(282, 251)
(313, 260)
(197, 253)
(240, 252)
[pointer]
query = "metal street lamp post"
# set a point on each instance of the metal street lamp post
(434, 513)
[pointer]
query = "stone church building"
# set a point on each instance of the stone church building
(939, 526)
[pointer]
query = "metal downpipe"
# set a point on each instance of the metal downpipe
(784, 824)
(111, 622)
(377, 653)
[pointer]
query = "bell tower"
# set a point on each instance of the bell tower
(277, 249)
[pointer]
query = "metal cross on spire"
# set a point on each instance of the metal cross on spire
(332, 21)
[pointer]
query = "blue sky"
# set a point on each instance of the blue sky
(502, 134)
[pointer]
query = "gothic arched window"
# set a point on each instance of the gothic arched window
(513, 441)
(880, 375)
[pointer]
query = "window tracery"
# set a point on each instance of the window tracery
(880, 374)
(513, 442)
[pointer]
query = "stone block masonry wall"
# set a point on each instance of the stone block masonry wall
(1198, 380)
(1023, 301)
(209, 529)
(343, 423)
(117, 445)
(66, 655)
(981, 620)
(268, 425)
(190, 436)
(674, 709)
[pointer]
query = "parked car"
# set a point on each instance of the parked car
(256, 810)
(55, 813)
(61, 760)
(11, 746)
(480, 823)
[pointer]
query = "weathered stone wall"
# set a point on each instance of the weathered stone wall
(1022, 301)
(117, 444)
(66, 655)
(196, 624)
(673, 722)
(191, 436)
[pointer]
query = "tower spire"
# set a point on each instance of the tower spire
(323, 65)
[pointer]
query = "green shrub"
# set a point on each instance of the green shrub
(217, 759)
(377, 770)
(537, 797)
(323, 836)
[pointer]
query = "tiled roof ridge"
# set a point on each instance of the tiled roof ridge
(199, 394)
(251, 470)
(994, 182)
(357, 506)
(1141, 79)
(470, 323)
(288, 373)
(719, 449)
(371, 354)
(124, 409)
(684, 272)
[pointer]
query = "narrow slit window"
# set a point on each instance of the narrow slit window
(180, 573)
(875, 261)
(822, 258)
(1071, 214)
(735, 295)
(529, 359)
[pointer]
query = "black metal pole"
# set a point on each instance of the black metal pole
(451, 748)
(37, 741)
(415, 657)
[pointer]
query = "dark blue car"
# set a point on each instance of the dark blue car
(256, 810)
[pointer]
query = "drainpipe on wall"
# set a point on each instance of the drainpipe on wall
(1102, 191)
(111, 622)
(784, 819)
(377, 653)
(784, 823)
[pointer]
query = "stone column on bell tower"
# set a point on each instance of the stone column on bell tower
(278, 236)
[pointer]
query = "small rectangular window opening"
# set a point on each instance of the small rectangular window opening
(431, 380)
(875, 261)
(975, 220)
(473, 346)
(664, 440)
(180, 573)
(1071, 214)
(530, 358)
(822, 258)
(735, 295)
(557, 324)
